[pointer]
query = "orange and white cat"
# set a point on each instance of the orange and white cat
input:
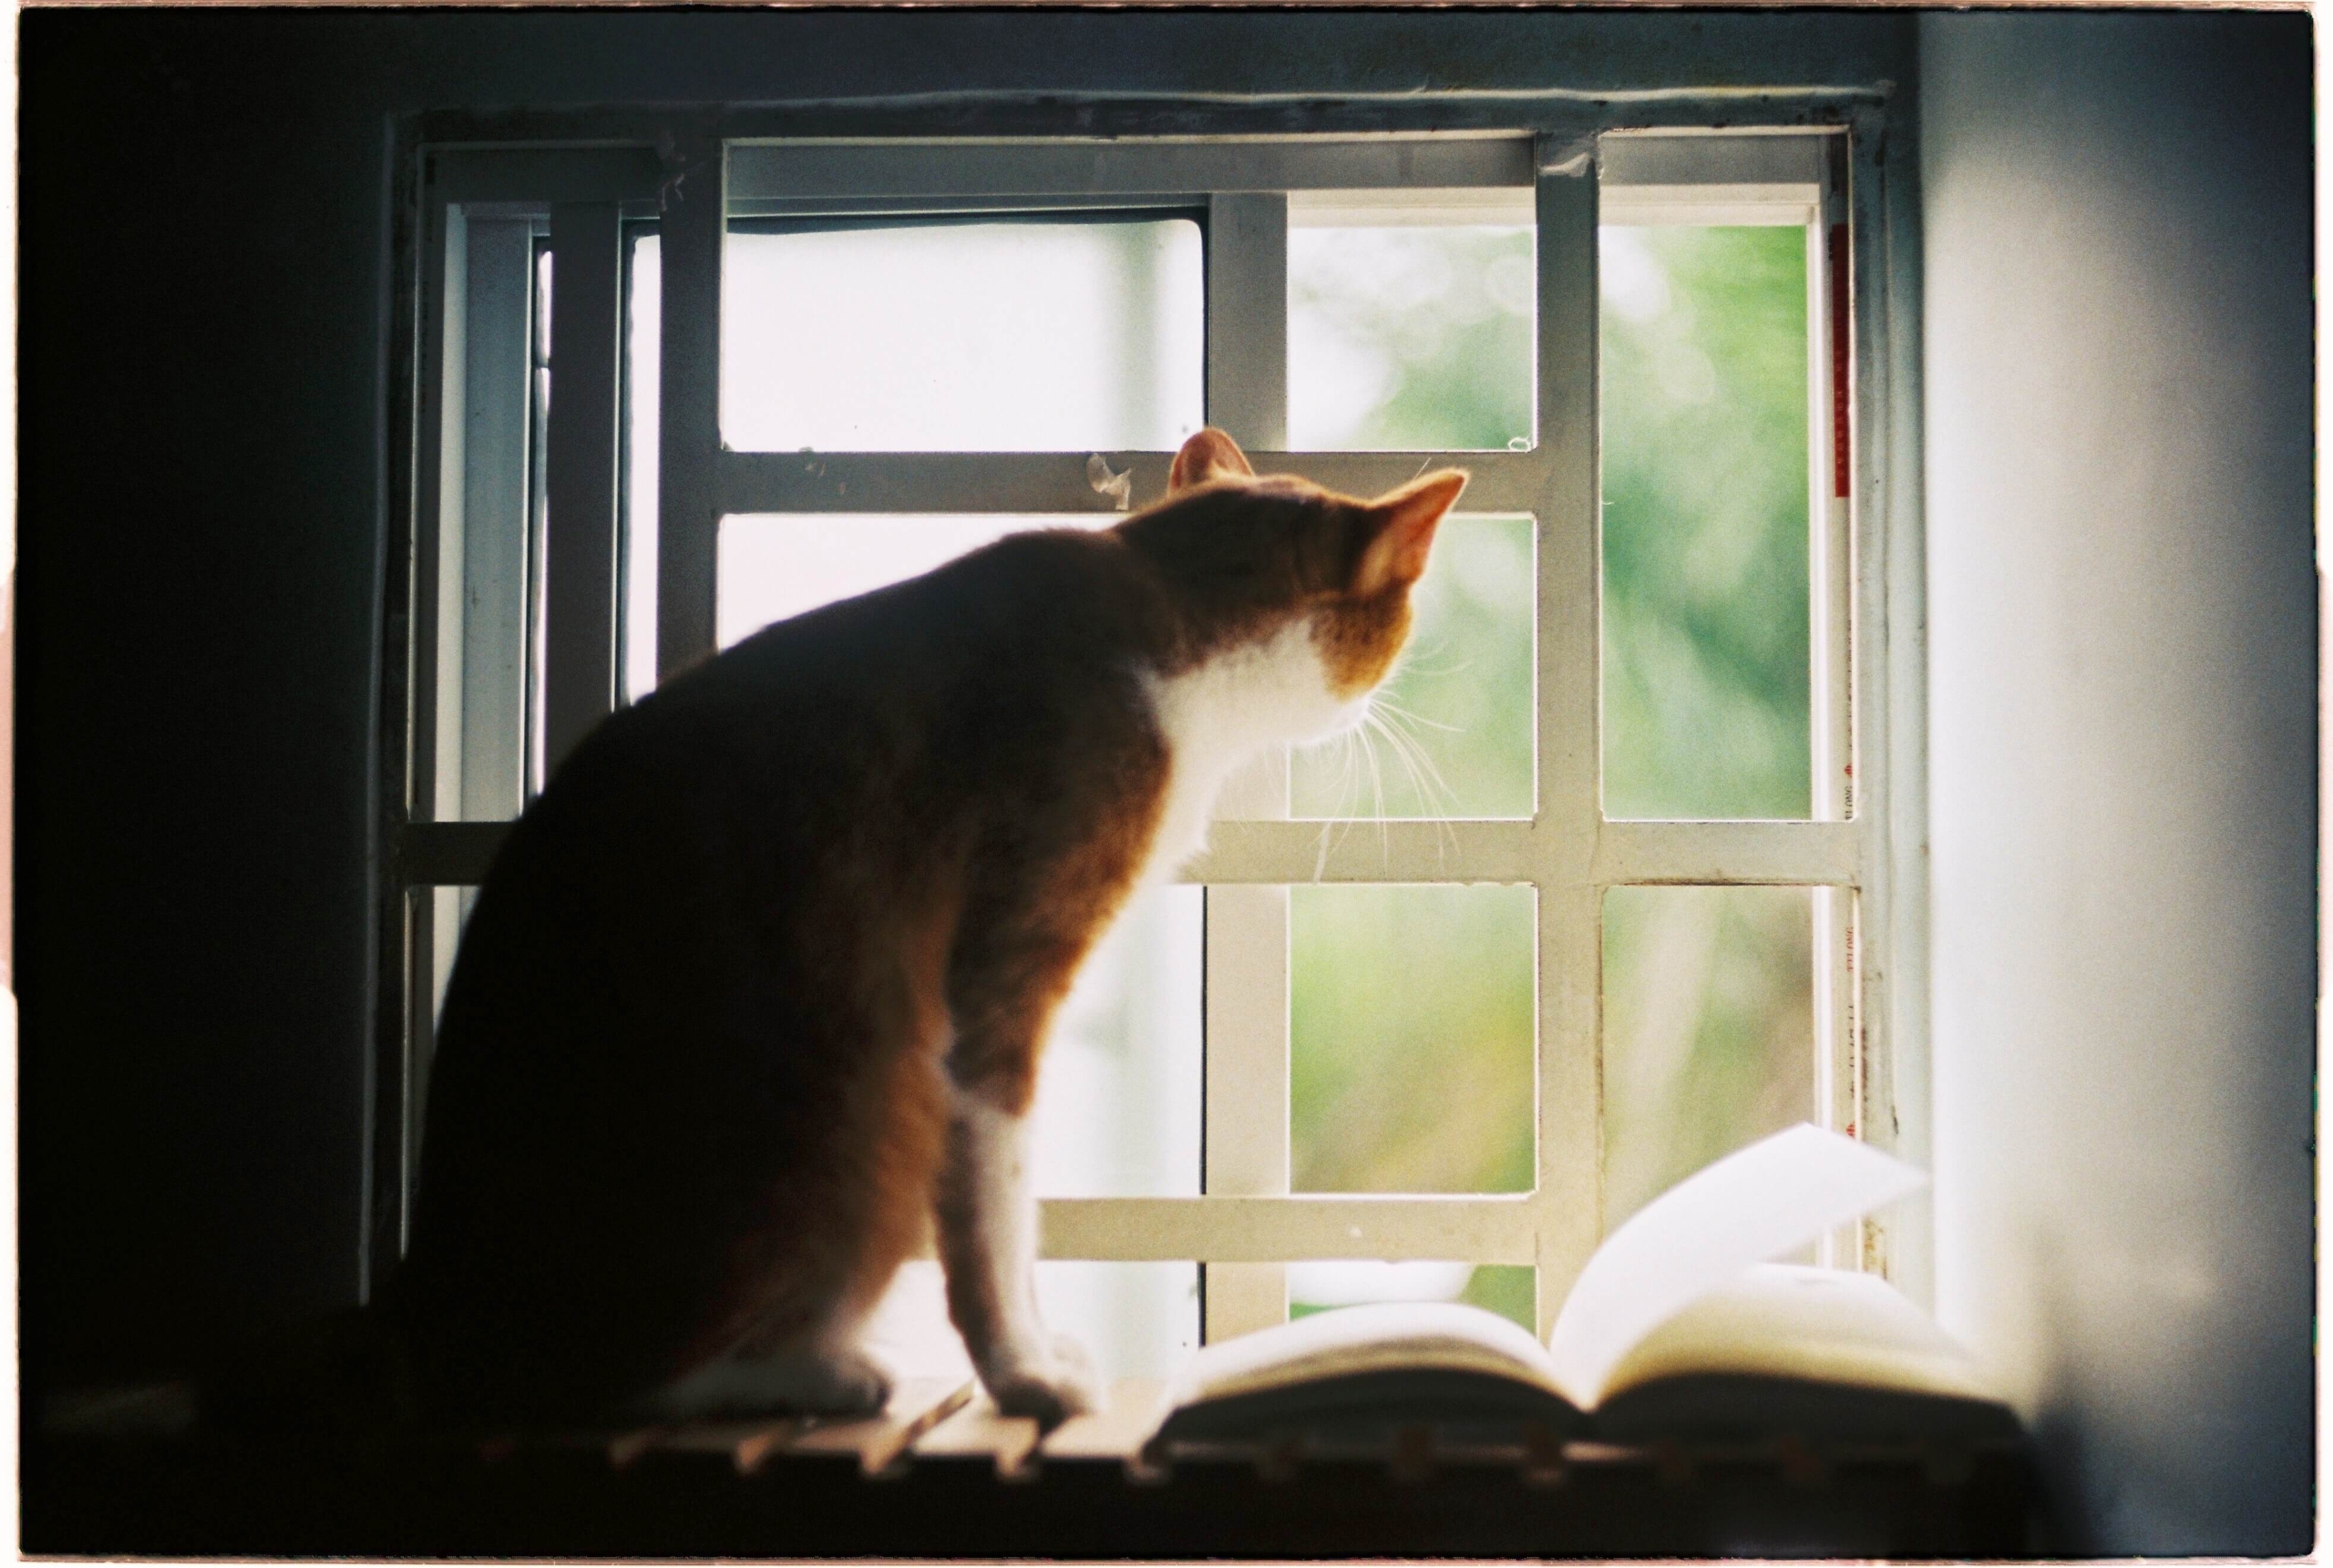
(756, 992)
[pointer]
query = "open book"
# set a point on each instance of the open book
(1677, 1328)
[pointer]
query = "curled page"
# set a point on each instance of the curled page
(1755, 1204)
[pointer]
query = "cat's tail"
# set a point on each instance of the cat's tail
(344, 1378)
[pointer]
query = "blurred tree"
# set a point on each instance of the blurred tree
(1705, 513)
(1412, 1008)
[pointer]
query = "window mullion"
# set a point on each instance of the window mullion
(1569, 1200)
(690, 233)
(1246, 319)
(1831, 722)
(1247, 1086)
(579, 549)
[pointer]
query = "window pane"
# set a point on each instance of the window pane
(949, 335)
(1409, 1039)
(1410, 335)
(1705, 522)
(1451, 733)
(494, 389)
(1504, 1288)
(773, 566)
(1118, 1110)
(1709, 1030)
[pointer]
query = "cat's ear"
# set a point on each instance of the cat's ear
(1209, 455)
(1401, 531)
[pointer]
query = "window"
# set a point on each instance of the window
(1429, 1015)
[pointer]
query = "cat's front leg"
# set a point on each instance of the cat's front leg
(988, 1246)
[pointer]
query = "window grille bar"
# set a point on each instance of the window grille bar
(1783, 854)
(689, 421)
(1887, 724)
(943, 482)
(1630, 159)
(1249, 1230)
(1246, 1130)
(1298, 852)
(580, 552)
(1569, 1200)
(1786, 854)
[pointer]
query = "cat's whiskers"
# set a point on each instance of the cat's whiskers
(1441, 802)
(1384, 704)
(1376, 785)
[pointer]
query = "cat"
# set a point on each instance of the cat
(752, 999)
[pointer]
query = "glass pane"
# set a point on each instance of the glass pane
(644, 344)
(1138, 1319)
(950, 335)
(1451, 733)
(1410, 1034)
(1410, 336)
(1709, 1030)
(1118, 1112)
(1705, 522)
(1504, 1288)
(773, 566)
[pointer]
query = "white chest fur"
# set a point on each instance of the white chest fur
(1219, 715)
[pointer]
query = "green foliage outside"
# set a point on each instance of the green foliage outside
(1412, 1027)
(1709, 1030)
(1410, 1060)
(1705, 515)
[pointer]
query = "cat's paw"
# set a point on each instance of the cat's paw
(851, 1383)
(1052, 1385)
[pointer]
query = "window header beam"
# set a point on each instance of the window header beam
(1163, 166)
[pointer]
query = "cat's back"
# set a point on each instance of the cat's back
(839, 753)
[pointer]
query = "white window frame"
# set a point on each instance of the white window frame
(1246, 1227)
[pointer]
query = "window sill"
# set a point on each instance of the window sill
(966, 1483)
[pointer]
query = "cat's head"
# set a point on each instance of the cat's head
(1302, 591)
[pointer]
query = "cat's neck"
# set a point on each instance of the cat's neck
(1222, 714)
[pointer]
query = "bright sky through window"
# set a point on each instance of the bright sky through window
(964, 336)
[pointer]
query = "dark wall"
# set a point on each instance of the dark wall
(206, 257)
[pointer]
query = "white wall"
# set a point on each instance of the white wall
(2123, 737)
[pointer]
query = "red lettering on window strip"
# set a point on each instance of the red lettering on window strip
(1839, 438)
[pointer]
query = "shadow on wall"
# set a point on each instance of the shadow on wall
(2122, 603)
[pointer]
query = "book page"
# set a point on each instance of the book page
(1777, 1195)
(1392, 1336)
(1820, 1325)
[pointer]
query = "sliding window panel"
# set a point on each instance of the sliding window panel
(582, 473)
